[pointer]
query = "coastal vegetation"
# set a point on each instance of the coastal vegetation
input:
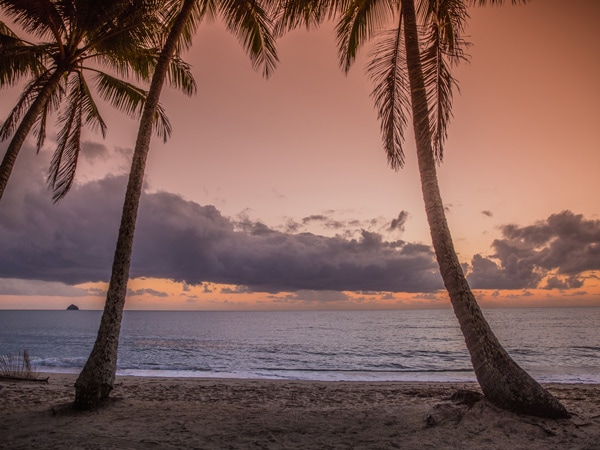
(250, 23)
(417, 42)
(76, 38)
(18, 367)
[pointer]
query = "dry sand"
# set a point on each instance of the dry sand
(178, 413)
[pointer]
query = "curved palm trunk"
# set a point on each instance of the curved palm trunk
(502, 380)
(36, 108)
(98, 375)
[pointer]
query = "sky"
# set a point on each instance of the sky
(276, 194)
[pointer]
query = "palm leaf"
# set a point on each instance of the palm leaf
(139, 61)
(201, 9)
(494, 2)
(39, 18)
(249, 22)
(51, 105)
(391, 94)
(127, 26)
(19, 62)
(29, 94)
(130, 99)
(292, 14)
(443, 46)
(359, 21)
(64, 161)
(39, 129)
(438, 83)
(448, 18)
(89, 110)
(180, 76)
(17, 59)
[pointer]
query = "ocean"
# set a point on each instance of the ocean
(553, 344)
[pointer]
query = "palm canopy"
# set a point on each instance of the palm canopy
(75, 38)
(441, 26)
(248, 20)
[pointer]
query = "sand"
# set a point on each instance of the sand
(181, 413)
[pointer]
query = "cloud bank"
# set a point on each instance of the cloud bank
(73, 242)
(553, 254)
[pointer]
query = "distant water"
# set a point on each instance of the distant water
(552, 344)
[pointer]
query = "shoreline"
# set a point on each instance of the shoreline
(360, 376)
(215, 413)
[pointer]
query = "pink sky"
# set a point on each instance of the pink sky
(301, 152)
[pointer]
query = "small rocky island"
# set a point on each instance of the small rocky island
(72, 307)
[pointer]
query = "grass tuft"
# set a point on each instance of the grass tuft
(18, 367)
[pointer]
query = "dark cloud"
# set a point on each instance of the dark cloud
(399, 222)
(512, 274)
(487, 213)
(12, 286)
(94, 150)
(315, 218)
(73, 242)
(565, 244)
(324, 220)
(152, 292)
(314, 296)
(348, 228)
(558, 283)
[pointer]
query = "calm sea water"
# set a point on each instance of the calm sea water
(554, 345)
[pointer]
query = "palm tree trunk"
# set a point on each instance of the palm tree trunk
(98, 375)
(36, 108)
(502, 380)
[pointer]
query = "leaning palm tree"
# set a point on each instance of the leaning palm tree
(77, 37)
(410, 67)
(248, 20)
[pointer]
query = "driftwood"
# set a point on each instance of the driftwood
(23, 378)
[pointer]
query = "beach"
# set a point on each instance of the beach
(147, 412)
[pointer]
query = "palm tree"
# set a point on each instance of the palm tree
(410, 67)
(248, 20)
(84, 36)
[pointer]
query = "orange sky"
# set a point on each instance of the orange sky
(301, 152)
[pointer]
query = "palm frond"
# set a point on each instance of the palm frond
(39, 128)
(448, 17)
(89, 110)
(250, 23)
(494, 2)
(39, 18)
(130, 99)
(387, 70)
(162, 125)
(5, 30)
(126, 27)
(292, 14)
(438, 82)
(180, 76)
(201, 9)
(443, 47)
(64, 160)
(359, 21)
(29, 94)
(17, 60)
(139, 62)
